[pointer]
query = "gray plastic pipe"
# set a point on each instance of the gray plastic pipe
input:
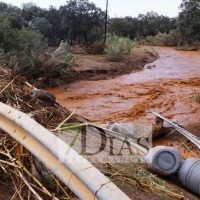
(86, 181)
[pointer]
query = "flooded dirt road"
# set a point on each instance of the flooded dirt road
(168, 88)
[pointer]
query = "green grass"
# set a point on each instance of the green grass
(139, 67)
(152, 52)
(117, 47)
(197, 97)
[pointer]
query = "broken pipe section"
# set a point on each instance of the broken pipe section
(189, 175)
(163, 160)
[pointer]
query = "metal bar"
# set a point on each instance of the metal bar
(194, 139)
(86, 181)
(120, 137)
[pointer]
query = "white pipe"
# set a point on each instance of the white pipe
(86, 181)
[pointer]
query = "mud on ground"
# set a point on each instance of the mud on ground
(145, 97)
(97, 67)
(167, 86)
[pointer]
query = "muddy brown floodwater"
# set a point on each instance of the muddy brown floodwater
(168, 88)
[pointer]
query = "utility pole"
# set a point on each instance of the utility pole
(106, 20)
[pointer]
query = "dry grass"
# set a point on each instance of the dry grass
(16, 169)
(17, 163)
(137, 175)
(197, 97)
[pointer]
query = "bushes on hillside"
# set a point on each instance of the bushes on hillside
(24, 53)
(163, 39)
(50, 68)
(21, 49)
(117, 47)
(29, 47)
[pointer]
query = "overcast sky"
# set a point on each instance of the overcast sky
(118, 8)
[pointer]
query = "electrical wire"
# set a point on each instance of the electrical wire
(125, 2)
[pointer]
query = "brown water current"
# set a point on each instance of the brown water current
(169, 87)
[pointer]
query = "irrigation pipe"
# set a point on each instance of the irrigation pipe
(86, 181)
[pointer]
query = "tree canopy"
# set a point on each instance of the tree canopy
(144, 25)
(79, 18)
(188, 22)
(26, 31)
(82, 21)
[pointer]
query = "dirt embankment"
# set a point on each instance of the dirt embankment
(97, 67)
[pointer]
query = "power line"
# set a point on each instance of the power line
(125, 2)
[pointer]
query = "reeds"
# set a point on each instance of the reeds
(16, 170)
(16, 163)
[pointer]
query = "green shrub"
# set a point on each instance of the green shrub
(139, 67)
(23, 50)
(197, 97)
(20, 48)
(30, 46)
(114, 52)
(30, 57)
(185, 46)
(163, 39)
(63, 56)
(152, 52)
(117, 47)
(136, 43)
(55, 66)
